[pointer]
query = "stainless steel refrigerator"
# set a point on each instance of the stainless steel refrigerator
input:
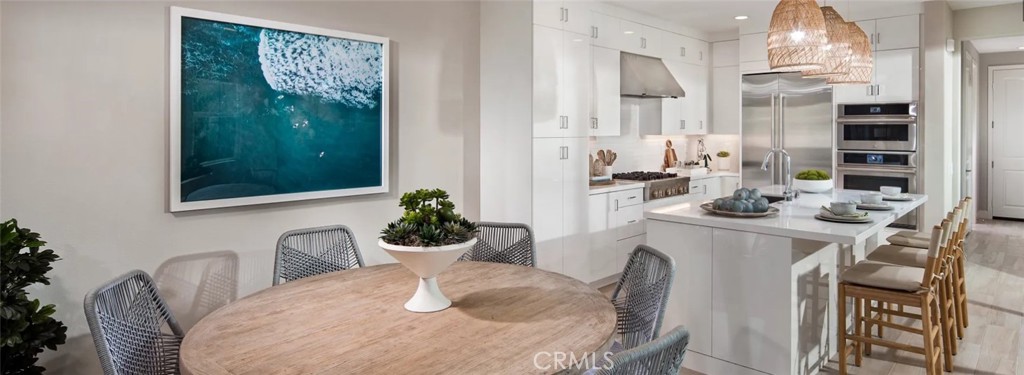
(787, 111)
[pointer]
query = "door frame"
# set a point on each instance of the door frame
(990, 109)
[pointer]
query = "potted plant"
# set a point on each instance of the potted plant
(723, 160)
(813, 181)
(27, 325)
(428, 238)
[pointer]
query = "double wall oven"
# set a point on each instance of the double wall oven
(877, 146)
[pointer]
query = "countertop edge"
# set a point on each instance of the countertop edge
(611, 188)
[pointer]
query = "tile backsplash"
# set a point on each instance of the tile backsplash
(646, 153)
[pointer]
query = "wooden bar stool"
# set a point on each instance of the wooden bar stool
(870, 281)
(902, 252)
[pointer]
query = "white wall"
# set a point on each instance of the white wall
(988, 22)
(937, 95)
(988, 60)
(84, 146)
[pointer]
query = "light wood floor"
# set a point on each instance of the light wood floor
(994, 341)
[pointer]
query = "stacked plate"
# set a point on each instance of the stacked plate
(874, 207)
(904, 197)
(858, 218)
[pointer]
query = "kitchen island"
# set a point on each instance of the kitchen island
(759, 294)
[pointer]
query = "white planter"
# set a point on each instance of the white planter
(724, 164)
(812, 186)
(427, 262)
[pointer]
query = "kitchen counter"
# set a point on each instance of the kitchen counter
(715, 174)
(795, 219)
(759, 295)
(617, 186)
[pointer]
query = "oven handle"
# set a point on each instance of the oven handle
(908, 120)
(905, 171)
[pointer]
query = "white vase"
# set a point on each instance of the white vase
(724, 164)
(427, 262)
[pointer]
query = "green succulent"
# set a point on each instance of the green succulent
(723, 154)
(429, 220)
(813, 174)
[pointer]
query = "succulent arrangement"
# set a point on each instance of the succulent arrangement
(813, 175)
(429, 220)
(723, 154)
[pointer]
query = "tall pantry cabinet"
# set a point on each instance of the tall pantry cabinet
(562, 120)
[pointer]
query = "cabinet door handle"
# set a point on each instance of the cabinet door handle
(682, 51)
(878, 38)
(561, 14)
(563, 122)
(593, 32)
(701, 124)
(616, 205)
(632, 197)
(566, 14)
(643, 42)
(682, 124)
(593, 123)
(872, 38)
(565, 152)
(701, 55)
(878, 89)
(631, 221)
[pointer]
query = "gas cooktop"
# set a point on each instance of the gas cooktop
(643, 176)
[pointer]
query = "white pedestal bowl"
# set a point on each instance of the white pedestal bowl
(812, 186)
(427, 262)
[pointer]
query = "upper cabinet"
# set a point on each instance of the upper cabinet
(893, 33)
(725, 100)
(895, 80)
(638, 38)
(686, 115)
(572, 16)
(605, 110)
(753, 54)
(684, 48)
(561, 83)
(604, 30)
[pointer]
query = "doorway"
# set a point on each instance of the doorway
(1006, 154)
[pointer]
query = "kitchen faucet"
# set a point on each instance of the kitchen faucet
(788, 194)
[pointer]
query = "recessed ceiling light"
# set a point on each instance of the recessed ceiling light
(628, 32)
(741, 17)
(1021, 48)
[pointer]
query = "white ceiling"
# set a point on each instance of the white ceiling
(1004, 44)
(716, 16)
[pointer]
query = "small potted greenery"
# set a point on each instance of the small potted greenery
(813, 181)
(724, 163)
(28, 325)
(428, 238)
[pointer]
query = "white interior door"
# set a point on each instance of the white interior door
(1006, 152)
(969, 130)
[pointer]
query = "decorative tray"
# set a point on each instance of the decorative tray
(709, 207)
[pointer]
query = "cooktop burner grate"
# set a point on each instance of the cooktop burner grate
(643, 176)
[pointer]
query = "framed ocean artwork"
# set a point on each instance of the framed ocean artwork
(264, 111)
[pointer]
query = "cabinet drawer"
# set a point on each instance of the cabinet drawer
(629, 221)
(626, 198)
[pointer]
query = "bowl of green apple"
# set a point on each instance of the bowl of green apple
(813, 181)
(746, 203)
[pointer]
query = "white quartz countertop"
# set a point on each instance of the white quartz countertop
(795, 219)
(715, 174)
(617, 186)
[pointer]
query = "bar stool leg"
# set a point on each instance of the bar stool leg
(842, 330)
(858, 330)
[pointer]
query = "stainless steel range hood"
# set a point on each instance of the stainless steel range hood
(647, 77)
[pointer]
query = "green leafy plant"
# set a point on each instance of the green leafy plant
(27, 326)
(723, 154)
(813, 174)
(429, 220)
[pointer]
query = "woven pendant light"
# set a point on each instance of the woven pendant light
(862, 65)
(796, 36)
(837, 51)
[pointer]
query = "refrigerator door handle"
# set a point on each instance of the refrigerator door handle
(771, 171)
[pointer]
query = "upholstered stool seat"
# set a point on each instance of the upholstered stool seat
(884, 275)
(901, 255)
(909, 238)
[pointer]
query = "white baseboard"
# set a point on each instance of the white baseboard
(984, 214)
(712, 366)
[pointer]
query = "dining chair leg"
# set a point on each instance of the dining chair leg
(928, 331)
(946, 327)
(957, 307)
(842, 330)
(962, 288)
(858, 330)
(949, 324)
(866, 320)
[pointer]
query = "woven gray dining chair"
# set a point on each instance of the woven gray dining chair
(132, 327)
(661, 356)
(641, 295)
(509, 243)
(309, 252)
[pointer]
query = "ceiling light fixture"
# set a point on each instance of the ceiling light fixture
(741, 18)
(796, 36)
(1020, 48)
(838, 51)
(861, 63)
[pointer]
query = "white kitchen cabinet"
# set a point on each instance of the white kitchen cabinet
(673, 46)
(601, 259)
(561, 83)
(560, 205)
(686, 115)
(688, 306)
(895, 79)
(725, 53)
(725, 100)
(729, 185)
(616, 223)
(639, 39)
(604, 30)
(893, 33)
(704, 189)
(606, 107)
(695, 51)
(572, 16)
(754, 53)
(896, 75)
(624, 248)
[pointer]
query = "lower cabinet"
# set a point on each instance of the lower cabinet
(616, 226)
(729, 185)
(706, 188)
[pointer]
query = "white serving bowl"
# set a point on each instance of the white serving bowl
(812, 186)
(873, 197)
(427, 262)
(890, 190)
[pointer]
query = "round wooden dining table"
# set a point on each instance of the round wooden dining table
(504, 319)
